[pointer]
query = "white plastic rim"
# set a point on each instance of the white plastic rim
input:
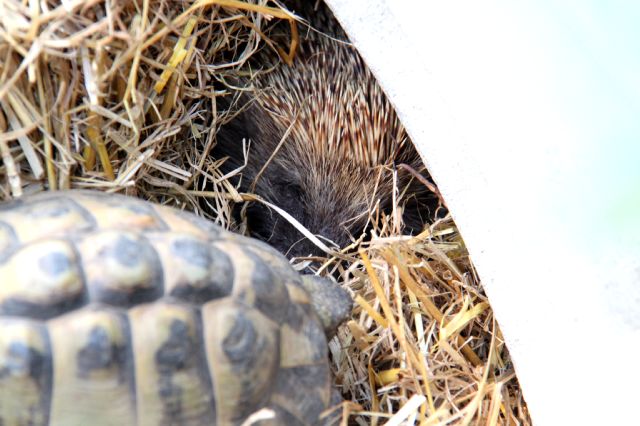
(528, 116)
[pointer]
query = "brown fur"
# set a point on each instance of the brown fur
(337, 161)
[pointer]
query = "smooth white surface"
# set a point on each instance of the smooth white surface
(528, 116)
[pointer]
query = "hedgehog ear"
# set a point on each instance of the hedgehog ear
(331, 302)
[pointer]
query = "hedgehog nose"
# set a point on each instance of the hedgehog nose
(304, 247)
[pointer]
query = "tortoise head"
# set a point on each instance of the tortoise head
(331, 302)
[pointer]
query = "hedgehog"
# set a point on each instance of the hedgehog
(324, 144)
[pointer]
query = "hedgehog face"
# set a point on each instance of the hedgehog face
(331, 201)
(315, 201)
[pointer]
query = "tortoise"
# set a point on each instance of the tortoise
(114, 310)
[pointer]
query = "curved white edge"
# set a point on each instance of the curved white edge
(527, 114)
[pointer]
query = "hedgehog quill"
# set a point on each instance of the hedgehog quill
(325, 141)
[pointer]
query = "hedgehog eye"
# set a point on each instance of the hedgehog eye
(290, 191)
(295, 191)
(291, 198)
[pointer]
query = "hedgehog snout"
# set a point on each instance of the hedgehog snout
(279, 233)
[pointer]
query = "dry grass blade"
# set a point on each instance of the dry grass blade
(407, 410)
(372, 312)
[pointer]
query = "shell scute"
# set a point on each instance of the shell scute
(120, 212)
(41, 280)
(278, 263)
(184, 222)
(8, 241)
(25, 372)
(309, 405)
(46, 217)
(242, 347)
(172, 376)
(303, 338)
(194, 269)
(121, 268)
(92, 363)
(256, 283)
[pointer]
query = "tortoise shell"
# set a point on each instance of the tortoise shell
(118, 311)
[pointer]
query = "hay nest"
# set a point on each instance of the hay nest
(122, 96)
